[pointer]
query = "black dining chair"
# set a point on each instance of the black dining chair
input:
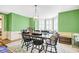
(45, 32)
(26, 40)
(36, 30)
(52, 42)
(37, 44)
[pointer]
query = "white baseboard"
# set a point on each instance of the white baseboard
(14, 35)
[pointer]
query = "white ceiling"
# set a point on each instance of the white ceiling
(44, 11)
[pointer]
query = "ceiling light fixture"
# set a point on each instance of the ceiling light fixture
(35, 15)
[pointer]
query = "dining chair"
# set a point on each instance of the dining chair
(26, 40)
(52, 43)
(36, 30)
(37, 44)
(45, 32)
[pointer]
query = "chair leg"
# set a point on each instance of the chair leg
(22, 45)
(42, 47)
(39, 49)
(46, 48)
(36, 46)
(55, 49)
(32, 48)
(51, 49)
(27, 46)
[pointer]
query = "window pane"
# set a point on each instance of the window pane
(56, 23)
(49, 24)
(41, 24)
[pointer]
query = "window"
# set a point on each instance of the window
(41, 24)
(45, 24)
(56, 23)
(49, 24)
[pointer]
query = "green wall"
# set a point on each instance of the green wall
(68, 21)
(9, 22)
(32, 23)
(18, 22)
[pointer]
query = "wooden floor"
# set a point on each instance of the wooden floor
(5, 41)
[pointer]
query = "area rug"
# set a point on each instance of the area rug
(15, 47)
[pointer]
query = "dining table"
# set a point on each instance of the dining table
(39, 35)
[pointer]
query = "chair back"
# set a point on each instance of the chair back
(37, 30)
(54, 38)
(45, 32)
(25, 37)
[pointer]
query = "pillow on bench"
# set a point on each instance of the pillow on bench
(3, 48)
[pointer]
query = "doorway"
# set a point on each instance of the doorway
(0, 26)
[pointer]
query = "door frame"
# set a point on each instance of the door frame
(3, 32)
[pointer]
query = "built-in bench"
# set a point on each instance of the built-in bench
(65, 37)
